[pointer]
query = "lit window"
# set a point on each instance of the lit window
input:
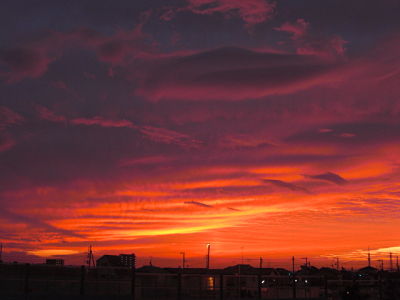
(210, 283)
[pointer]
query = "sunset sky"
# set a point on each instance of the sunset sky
(266, 128)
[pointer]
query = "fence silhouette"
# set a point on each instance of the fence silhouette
(51, 282)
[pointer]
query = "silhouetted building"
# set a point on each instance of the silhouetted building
(151, 269)
(241, 269)
(55, 261)
(307, 270)
(122, 260)
(368, 270)
(128, 260)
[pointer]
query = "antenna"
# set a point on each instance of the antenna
(90, 258)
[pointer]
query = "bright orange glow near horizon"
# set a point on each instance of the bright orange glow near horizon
(265, 217)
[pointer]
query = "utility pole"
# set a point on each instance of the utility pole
(306, 259)
(208, 256)
(391, 262)
(381, 262)
(337, 263)
(397, 263)
(369, 258)
(259, 279)
(133, 277)
(293, 265)
(183, 260)
(293, 279)
(1, 252)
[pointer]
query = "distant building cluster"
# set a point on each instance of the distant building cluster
(122, 260)
(55, 261)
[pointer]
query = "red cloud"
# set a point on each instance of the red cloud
(250, 11)
(6, 142)
(309, 43)
(46, 114)
(232, 74)
(298, 29)
(115, 49)
(153, 133)
(9, 117)
(31, 60)
(161, 135)
(168, 136)
(24, 62)
(102, 122)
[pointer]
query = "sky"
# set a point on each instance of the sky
(265, 128)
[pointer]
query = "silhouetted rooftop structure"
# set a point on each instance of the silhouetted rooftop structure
(194, 270)
(241, 269)
(368, 270)
(55, 261)
(282, 272)
(122, 260)
(307, 270)
(151, 269)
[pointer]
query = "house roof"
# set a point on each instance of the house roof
(151, 269)
(112, 260)
(368, 269)
(194, 270)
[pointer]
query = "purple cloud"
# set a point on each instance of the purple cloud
(198, 204)
(330, 177)
(286, 185)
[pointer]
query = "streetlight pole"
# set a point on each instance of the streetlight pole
(208, 256)
(294, 280)
(183, 260)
